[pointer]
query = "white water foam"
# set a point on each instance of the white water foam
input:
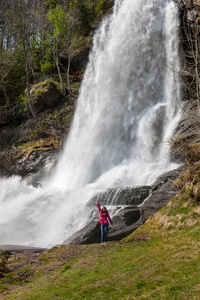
(127, 110)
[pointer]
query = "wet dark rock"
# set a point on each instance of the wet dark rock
(87, 235)
(37, 166)
(126, 221)
(78, 61)
(123, 196)
(162, 193)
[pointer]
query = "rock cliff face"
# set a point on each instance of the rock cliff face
(187, 131)
(38, 165)
(188, 127)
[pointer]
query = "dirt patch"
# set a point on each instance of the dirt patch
(83, 263)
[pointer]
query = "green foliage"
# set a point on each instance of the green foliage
(189, 192)
(47, 63)
(87, 13)
(58, 18)
(11, 75)
(3, 287)
(89, 10)
(103, 5)
(38, 93)
(51, 3)
(35, 134)
(41, 32)
(22, 98)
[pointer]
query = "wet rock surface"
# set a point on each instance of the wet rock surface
(189, 124)
(123, 196)
(162, 192)
(33, 168)
(136, 206)
(87, 235)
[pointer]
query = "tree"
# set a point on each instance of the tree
(24, 32)
(65, 24)
(6, 64)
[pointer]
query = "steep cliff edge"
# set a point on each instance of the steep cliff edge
(187, 131)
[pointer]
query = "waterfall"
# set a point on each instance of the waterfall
(127, 110)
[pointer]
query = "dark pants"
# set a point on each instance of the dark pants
(104, 232)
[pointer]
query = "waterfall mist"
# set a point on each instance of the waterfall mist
(127, 110)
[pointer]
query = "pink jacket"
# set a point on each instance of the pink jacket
(104, 217)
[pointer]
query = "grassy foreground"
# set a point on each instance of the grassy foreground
(163, 264)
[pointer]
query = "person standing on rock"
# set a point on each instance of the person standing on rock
(104, 218)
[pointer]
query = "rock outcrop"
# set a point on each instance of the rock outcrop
(187, 131)
(131, 208)
(124, 205)
(123, 196)
(37, 166)
(46, 95)
(78, 61)
(162, 192)
(125, 221)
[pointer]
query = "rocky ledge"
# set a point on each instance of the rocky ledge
(130, 208)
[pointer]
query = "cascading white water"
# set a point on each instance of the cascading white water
(127, 109)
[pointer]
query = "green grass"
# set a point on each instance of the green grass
(165, 267)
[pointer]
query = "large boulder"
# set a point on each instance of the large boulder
(46, 95)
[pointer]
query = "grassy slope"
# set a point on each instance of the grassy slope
(165, 267)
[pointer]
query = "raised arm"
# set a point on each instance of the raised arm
(98, 206)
